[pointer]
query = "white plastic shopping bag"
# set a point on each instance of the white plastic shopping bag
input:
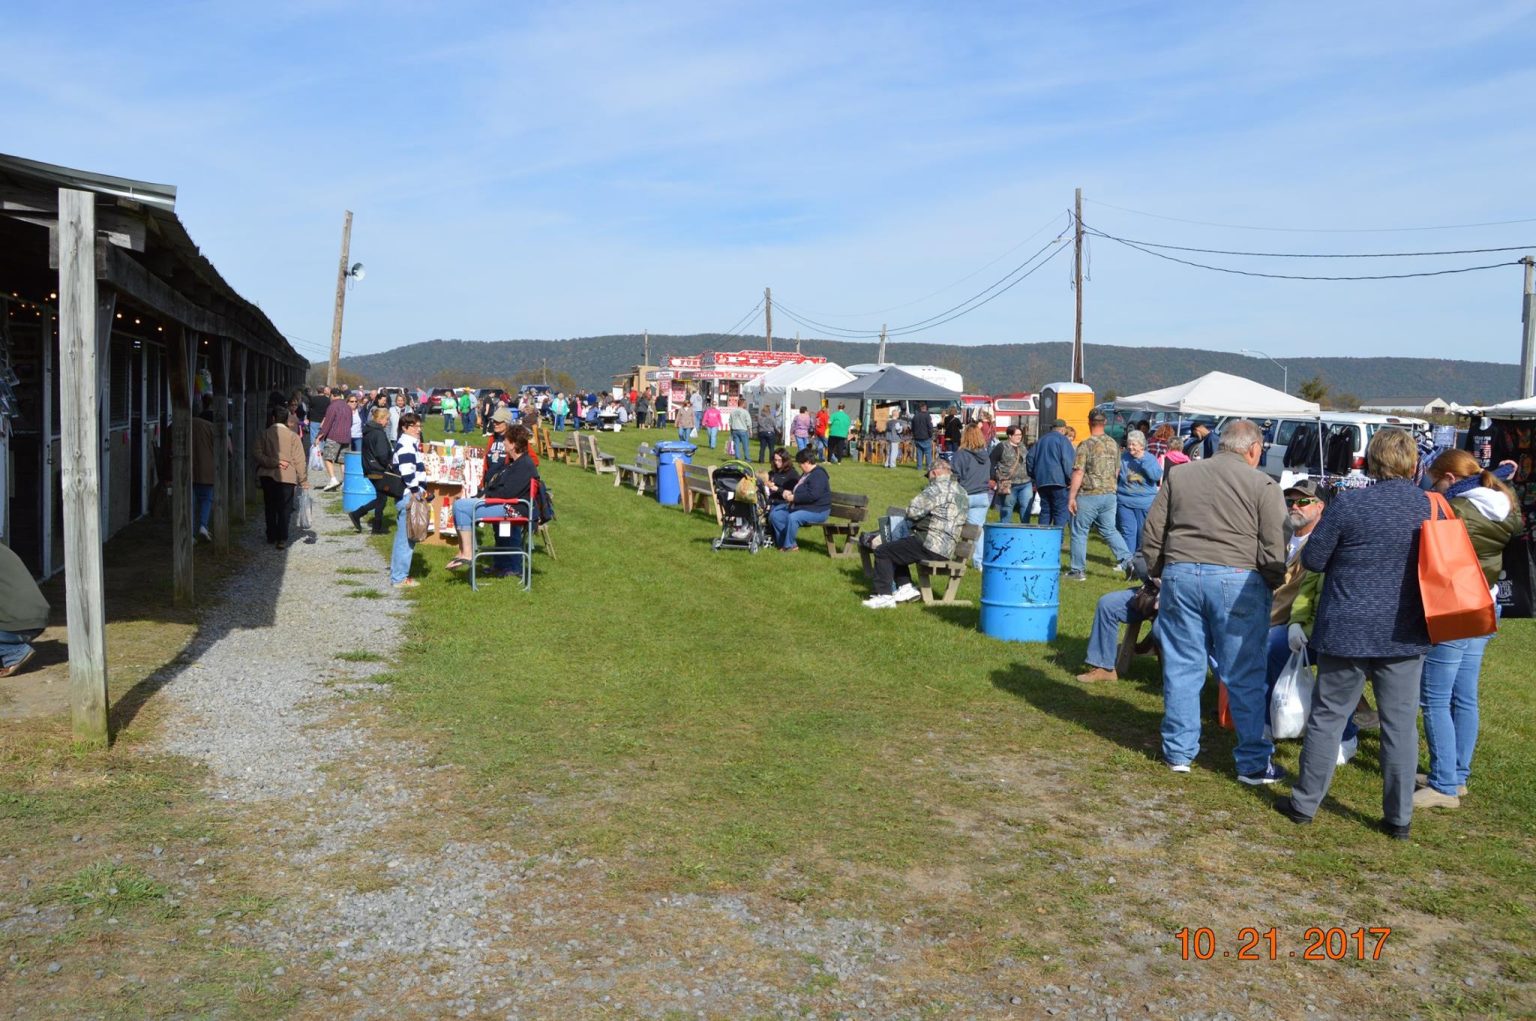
(316, 461)
(1292, 697)
(306, 509)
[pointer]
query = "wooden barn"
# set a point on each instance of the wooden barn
(114, 330)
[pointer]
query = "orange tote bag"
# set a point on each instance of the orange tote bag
(1457, 603)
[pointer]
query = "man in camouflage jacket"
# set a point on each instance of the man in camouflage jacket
(936, 515)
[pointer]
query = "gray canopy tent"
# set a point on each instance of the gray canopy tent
(892, 386)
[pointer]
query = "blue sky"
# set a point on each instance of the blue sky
(562, 170)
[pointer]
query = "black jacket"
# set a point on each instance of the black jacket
(378, 454)
(510, 481)
(922, 426)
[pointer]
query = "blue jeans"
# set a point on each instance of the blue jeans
(1104, 640)
(764, 446)
(684, 434)
(743, 444)
(1053, 506)
(14, 645)
(785, 523)
(1279, 654)
(976, 514)
(559, 423)
(801, 441)
(1017, 499)
(713, 430)
(1095, 511)
(400, 554)
(892, 451)
(924, 453)
(204, 498)
(1129, 521)
(448, 423)
(314, 432)
(1448, 696)
(1212, 614)
(469, 420)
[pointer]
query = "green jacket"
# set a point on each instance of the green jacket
(1489, 537)
(22, 606)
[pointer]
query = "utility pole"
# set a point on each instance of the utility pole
(341, 297)
(546, 372)
(768, 314)
(645, 351)
(797, 342)
(1528, 345)
(1077, 286)
(880, 358)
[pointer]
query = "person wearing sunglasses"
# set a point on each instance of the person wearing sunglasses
(1295, 606)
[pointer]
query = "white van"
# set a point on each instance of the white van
(1292, 444)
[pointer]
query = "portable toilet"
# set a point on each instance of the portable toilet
(1069, 401)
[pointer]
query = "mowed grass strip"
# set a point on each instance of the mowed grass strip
(719, 721)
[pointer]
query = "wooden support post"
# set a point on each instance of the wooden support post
(221, 449)
(183, 356)
(241, 469)
(79, 422)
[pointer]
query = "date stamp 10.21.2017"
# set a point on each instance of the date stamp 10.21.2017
(1255, 944)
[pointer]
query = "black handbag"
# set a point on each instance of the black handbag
(392, 485)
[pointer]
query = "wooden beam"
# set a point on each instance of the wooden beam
(128, 276)
(182, 355)
(79, 424)
(221, 449)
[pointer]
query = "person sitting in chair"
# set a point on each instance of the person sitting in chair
(510, 479)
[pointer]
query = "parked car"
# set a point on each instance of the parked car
(1293, 444)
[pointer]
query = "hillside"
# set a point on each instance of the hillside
(996, 368)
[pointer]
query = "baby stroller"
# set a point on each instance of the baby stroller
(739, 496)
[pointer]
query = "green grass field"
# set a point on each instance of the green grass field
(717, 721)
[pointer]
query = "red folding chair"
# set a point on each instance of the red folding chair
(510, 514)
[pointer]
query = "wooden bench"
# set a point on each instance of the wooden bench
(598, 461)
(953, 569)
(642, 470)
(697, 481)
(842, 525)
(571, 445)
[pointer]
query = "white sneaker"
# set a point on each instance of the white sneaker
(880, 602)
(1347, 749)
(202, 533)
(333, 484)
(906, 594)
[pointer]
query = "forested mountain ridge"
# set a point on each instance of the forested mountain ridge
(989, 368)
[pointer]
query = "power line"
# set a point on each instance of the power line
(1297, 276)
(1311, 255)
(1311, 230)
(743, 320)
(808, 322)
(976, 272)
(925, 325)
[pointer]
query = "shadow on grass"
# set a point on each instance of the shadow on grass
(1129, 726)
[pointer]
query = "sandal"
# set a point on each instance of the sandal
(457, 563)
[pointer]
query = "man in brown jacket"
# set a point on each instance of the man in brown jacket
(1216, 537)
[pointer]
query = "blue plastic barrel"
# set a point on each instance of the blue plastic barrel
(669, 452)
(1021, 583)
(356, 490)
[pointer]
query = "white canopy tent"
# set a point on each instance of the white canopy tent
(1220, 394)
(783, 382)
(1509, 409)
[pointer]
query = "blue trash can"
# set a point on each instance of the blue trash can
(1021, 583)
(668, 452)
(356, 490)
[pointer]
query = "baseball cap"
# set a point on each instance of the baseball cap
(1060, 423)
(1305, 487)
(502, 415)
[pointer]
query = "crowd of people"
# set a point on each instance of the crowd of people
(1237, 575)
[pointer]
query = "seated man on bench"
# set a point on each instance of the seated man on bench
(936, 515)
